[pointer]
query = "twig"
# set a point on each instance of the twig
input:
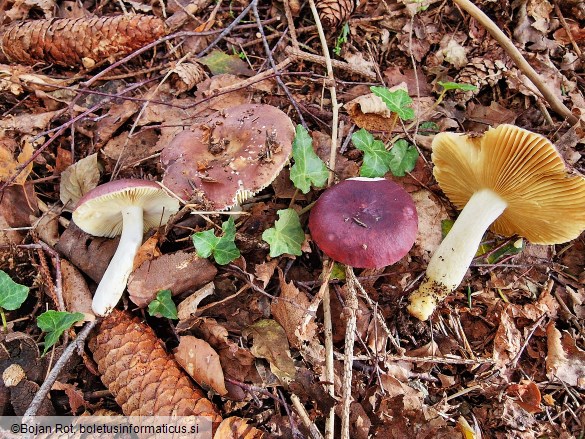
(273, 64)
(517, 57)
(332, 92)
(291, 24)
(351, 307)
(228, 29)
(353, 69)
(52, 377)
(329, 370)
(302, 412)
(567, 29)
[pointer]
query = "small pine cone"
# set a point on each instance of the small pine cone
(144, 379)
(334, 12)
(481, 72)
(80, 41)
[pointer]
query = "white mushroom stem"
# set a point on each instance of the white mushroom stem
(114, 280)
(453, 257)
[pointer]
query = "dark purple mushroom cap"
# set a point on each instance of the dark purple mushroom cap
(364, 222)
(99, 212)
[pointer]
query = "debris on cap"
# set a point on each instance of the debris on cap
(229, 157)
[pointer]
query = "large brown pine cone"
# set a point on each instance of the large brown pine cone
(74, 42)
(334, 12)
(144, 379)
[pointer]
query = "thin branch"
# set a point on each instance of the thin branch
(517, 57)
(52, 376)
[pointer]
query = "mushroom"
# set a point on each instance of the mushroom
(364, 222)
(230, 156)
(509, 178)
(127, 207)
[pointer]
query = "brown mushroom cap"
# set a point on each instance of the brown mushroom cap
(546, 205)
(99, 212)
(364, 222)
(229, 157)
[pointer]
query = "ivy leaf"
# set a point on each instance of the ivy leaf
(163, 306)
(286, 236)
(308, 168)
(223, 248)
(457, 86)
(397, 101)
(54, 323)
(377, 160)
(219, 62)
(12, 295)
(404, 157)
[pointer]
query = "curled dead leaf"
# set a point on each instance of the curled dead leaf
(201, 362)
(564, 360)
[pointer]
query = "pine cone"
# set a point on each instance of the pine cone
(80, 41)
(481, 72)
(334, 12)
(144, 379)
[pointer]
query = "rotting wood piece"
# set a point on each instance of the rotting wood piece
(80, 41)
(144, 379)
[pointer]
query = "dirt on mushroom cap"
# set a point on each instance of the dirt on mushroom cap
(230, 156)
(546, 205)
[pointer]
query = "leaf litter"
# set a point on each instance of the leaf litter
(504, 356)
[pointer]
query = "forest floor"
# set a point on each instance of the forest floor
(502, 357)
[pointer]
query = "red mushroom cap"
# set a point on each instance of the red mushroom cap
(364, 222)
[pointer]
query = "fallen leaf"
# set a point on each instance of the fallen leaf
(237, 428)
(147, 252)
(78, 179)
(178, 272)
(270, 343)
(201, 362)
(527, 395)
(507, 341)
(564, 360)
(188, 307)
(10, 165)
(76, 294)
(265, 271)
(219, 62)
(289, 310)
(74, 395)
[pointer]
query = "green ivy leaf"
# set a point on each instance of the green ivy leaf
(12, 295)
(223, 248)
(397, 101)
(286, 236)
(457, 86)
(163, 306)
(308, 168)
(377, 160)
(55, 323)
(404, 157)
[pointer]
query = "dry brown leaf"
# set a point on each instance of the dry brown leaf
(265, 271)
(289, 310)
(9, 165)
(76, 294)
(527, 395)
(78, 179)
(28, 123)
(147, 252)
(178, 272)
(188, 307)
(18, 204)
(564, 360)
(507, 341)
(237, 428)
(370, 112)
(131, 149)
(430, 215)
(201, 362)
(74, 395)
(270, 343)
